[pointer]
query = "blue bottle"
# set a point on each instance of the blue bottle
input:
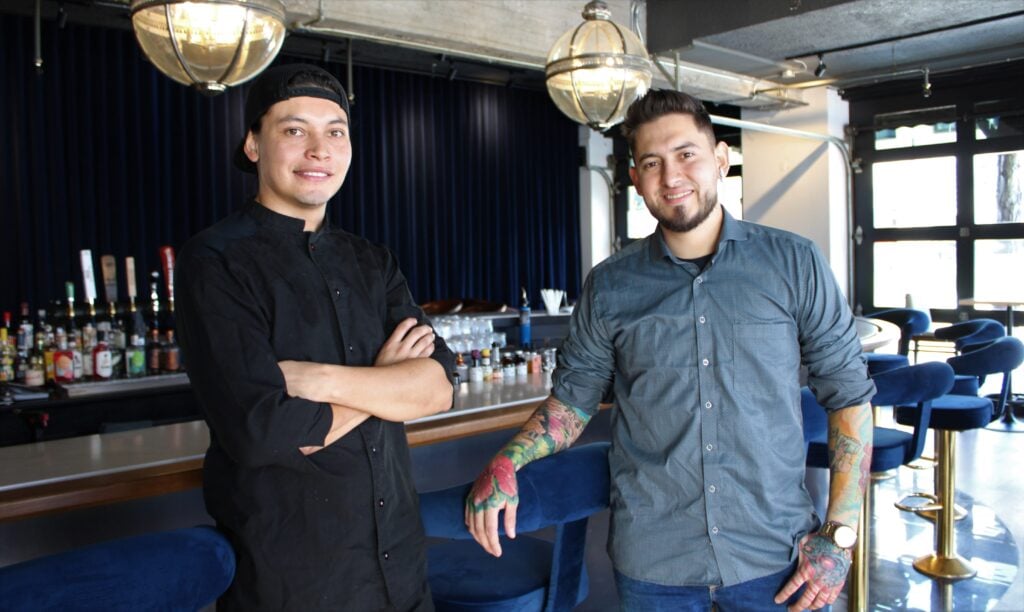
(524, 321)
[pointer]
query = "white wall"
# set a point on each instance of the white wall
(595, 202)
(799, 184)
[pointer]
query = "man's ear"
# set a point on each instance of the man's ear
(251, 148)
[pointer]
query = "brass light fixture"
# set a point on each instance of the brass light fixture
(595, 70)
(209, 44)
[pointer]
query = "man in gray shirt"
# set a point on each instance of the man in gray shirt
(701, 330)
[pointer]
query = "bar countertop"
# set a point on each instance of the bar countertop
(46, 477)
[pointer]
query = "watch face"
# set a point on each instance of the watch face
(844, 536)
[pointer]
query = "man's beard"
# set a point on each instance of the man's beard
(676, 221)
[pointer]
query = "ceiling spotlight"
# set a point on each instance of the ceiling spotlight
(787, 73)
(926, 86)
(820, 70)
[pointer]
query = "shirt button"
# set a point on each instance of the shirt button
(700, 279)
(707, 405)
(712, 488)
(386, 556)
(350, 348)
(373, 449)
(709, 447)
(705, 363)
(702, 319)
(380, 502)
(312, 247)
(337, 293)
(713, 530)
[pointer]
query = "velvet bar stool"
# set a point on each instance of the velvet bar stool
(950, 414)
(910, 321)
(918, 385)
(562, 490)
(183, 569)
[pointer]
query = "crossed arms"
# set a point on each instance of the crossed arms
(402, 384)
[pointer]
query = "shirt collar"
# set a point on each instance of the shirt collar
(731, 230)
(274, 220)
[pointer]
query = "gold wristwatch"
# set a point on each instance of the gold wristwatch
(841, 535)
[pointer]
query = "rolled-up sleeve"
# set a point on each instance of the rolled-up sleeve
(586, 362)
(233, 369)
(830, 345)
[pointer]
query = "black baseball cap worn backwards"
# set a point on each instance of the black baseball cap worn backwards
(272, 86)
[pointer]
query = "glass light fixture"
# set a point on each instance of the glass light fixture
(595, 70)
(209, 44)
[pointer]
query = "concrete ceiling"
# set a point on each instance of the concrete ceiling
(861, 40)
(753, 53)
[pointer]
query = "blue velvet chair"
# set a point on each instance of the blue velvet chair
(910, 321)
(917, 385)
(184, 569)
(967, 337)
(950, 414)
(562, 490)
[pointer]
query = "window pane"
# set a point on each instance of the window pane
(915, 128)
(639, 222)
(997, 270)
(998, 186)
(997, 119)
(924, 269)
(915, 192)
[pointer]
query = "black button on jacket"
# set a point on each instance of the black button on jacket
(309, 531)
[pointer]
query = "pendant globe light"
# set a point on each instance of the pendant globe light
(595, 70)
(209, 44)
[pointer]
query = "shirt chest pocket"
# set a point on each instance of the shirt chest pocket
(769, 347)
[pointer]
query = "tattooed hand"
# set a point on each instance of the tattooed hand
(494, 490)
(822, 567)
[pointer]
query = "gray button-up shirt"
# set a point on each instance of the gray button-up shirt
(707, 458)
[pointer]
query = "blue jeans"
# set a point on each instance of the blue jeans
(753, 595)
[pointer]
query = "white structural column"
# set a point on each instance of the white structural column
(596, 204)
(799, 184)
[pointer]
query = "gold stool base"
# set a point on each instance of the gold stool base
(947, 568)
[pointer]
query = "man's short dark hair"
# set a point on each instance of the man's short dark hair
(658, 103)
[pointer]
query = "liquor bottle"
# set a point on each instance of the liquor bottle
(7, 325)
(135, 357)
(7, 353)
(524, 320)
(77, 361)
(170, 354)
(40, 328)
(88, 343)
(35, 375)
(485, 365)
(154, 301)
(167, 259)
(69, 323)
(153, 352)
(102, 366)
(497, 374)
(25, 330)
(461, 368)
(63, 359)
(49, 350)
(136, 324)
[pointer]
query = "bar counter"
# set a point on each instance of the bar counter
(59, 475)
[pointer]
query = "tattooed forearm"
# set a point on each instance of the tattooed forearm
(850, 436)
(553, 427)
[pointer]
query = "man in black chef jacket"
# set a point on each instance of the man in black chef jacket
(307, 353)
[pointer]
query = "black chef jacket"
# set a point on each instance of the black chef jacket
(339, 529)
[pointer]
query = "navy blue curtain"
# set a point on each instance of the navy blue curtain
(475, 187)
